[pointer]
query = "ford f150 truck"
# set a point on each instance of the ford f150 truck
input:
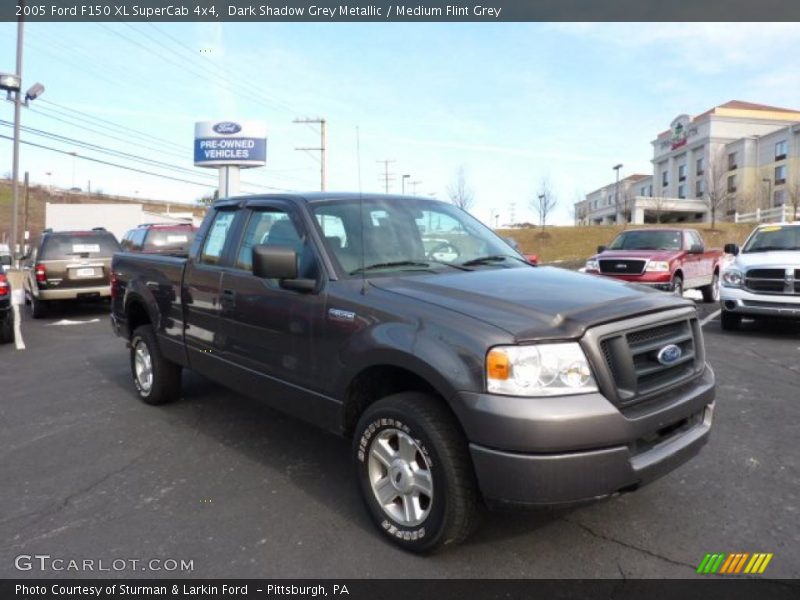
(672, 260)
(764, 278)
(463, 374)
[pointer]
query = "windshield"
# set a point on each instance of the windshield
(409, 235)
(647, 240)
(777, 237)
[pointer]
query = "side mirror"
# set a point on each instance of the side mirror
(274, 262)
(601, 249)
(731, 249)
(696, 249)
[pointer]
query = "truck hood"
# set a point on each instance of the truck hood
(533, 303)
(782, 258)
(643, 254)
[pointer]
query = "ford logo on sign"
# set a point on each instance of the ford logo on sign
(227, 128)
(669, 354)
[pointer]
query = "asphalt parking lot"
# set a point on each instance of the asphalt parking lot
(89, 472)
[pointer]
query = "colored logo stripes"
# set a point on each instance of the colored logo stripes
(735, 563)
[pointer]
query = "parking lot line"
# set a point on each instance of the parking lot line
(18, 341)
(710, 317)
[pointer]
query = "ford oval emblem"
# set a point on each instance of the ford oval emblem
(669, 354)
(227, 127)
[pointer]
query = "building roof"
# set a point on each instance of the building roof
(736, 108)
(629, 179)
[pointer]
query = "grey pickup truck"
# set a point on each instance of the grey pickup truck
(464, 375)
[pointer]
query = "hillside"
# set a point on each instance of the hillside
(38, 196)
(573, 244)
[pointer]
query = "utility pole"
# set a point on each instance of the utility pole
(414, 185)
(25, 214)
(512, 207)
(386, 177)
(15, 152)
(322, 147)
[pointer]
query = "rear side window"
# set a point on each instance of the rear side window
(215, 239)
(165, 240)
(78, 245)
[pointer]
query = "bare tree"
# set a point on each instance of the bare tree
(544, 202)
(208, 199)
(459, 192)
(717, 192)
(793, 193)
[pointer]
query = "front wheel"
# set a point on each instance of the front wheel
(156, 379)
(415, 473)
(711, 292)
(677, 286)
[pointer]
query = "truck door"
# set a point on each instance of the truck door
(268, 329)
(202, 294)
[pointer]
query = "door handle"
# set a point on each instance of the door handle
(227, 299)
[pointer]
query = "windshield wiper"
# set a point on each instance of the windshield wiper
(388, 265)
(449, 264)
(482, 260)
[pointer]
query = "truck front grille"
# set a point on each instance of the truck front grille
(621, 267)
(773, 281)
(641, 361)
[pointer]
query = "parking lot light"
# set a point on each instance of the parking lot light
(10, 82)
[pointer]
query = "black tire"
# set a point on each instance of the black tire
(677, 286)
(730, 321)
(165, 380)
(453, 508)
(711, 292)
(7, 328)
(38, 308)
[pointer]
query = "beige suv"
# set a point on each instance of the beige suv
(69, 265)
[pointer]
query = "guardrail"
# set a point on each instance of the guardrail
(765, 215)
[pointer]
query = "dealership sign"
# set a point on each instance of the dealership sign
(230, 143)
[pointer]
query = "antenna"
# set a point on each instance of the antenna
(361, 214)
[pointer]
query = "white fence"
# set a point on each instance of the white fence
(779, 213)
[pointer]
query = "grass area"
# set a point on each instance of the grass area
(575, 244)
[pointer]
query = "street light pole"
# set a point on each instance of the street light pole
(404, 183)
(616, 193)
(15, 151)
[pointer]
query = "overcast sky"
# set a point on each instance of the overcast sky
(512, 103)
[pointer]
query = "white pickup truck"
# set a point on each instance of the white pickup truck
(763, 280)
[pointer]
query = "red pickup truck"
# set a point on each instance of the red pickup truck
(673, 260)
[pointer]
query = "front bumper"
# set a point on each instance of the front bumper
(545, 451)
(657, 280)
(743, 302)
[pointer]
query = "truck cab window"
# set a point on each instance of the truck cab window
(276, 228)
(215, 239)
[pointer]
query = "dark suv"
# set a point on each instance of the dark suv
(160, 238)
(68, 265)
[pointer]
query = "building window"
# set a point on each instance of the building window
(650, 190)
(731, 184)
(682, 172)
(681, 191)
(779, 198)
(780, 174)
(700, 188)
(780, 150)
(732, 161)
(664, 178)
(643, 190)
(701, 165)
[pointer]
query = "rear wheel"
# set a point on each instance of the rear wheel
(7, 328)
(415, 473)
(730, 321)
(156, 379)
(711, 292)
(38, 308)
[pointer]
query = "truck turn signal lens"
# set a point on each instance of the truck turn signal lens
(498, 365)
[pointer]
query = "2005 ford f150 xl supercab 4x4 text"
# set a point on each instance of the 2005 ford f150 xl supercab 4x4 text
(463, 374)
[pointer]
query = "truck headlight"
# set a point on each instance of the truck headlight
(539, 370)
(658, 266)
(591, 265)
(732, 278)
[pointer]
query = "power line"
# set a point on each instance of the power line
(322, 149)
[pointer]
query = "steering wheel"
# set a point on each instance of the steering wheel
(443, 248)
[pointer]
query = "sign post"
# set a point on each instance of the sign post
(230, 146)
